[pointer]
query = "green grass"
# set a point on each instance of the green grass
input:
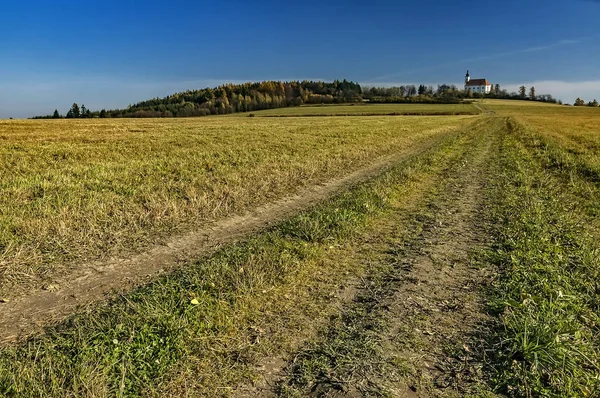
(196, 331)
(82, 190)
(547, 292)
(369, 349)
(368, 110)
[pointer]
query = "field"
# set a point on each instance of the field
(74, 192)
(371, 255)
(368, 110)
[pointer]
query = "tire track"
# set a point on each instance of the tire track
(418, 313)
(28, 315)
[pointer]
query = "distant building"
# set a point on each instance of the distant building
(481, 86)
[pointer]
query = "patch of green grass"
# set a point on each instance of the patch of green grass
(547, 293)
(368, 110)
(198, 331)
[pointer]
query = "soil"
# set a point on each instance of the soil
(441, 305)
(27, 315)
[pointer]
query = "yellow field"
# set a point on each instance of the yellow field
(575, 128)
(74, 191)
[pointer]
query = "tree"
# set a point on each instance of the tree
(497, 89)
(579, 102)
(74, 111)
(56, 115)
(83, 111)
(532, 93)
(421, 89)
(522, 91)
(595, 103)
(103, 113)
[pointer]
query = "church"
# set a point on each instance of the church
(481, 86)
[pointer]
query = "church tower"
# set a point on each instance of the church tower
(467, 77)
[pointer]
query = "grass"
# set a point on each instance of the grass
(76, 191)
(366, 109)
(80, 190)
(198, 331)
(363, 351)
(547, 291)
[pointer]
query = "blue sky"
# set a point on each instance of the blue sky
(107, 54)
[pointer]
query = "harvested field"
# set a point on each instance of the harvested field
(78, 191)
(456, 256)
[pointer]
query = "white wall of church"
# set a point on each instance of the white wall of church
(480, 89)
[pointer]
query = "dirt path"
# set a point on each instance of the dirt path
(410, 331)
(27, 315)
(440, 308)
(482, 109)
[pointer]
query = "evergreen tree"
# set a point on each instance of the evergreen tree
(56, 115)
(75, 111)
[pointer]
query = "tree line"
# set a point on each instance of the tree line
(580, 102)
(231, 98)
(249, 97)
(445, 93)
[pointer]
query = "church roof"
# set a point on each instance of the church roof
(478, 82)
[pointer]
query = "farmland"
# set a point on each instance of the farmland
(76, 192)
(366, 109)
(467, 266)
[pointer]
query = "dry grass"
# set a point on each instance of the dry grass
(75, 191)
(199, 331)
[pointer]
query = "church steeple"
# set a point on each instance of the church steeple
(467, 77)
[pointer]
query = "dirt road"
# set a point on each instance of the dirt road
(27, 315)
(411, 329)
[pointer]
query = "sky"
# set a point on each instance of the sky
(111, 53)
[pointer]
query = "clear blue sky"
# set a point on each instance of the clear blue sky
(110, 53)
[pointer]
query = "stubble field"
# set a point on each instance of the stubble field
(468, 265)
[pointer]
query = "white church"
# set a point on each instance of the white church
(481, 86)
